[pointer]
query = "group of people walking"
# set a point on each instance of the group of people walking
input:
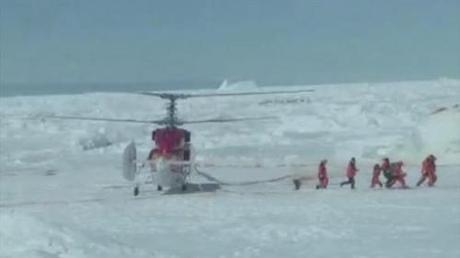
(392, 172)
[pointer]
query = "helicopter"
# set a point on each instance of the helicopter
(171, 159)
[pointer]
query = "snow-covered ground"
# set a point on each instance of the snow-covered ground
(62, 193)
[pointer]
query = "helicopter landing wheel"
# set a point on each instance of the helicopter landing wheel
(184, 187)
(159, 188)
(136, 191)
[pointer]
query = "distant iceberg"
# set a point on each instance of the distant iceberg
(240, 85)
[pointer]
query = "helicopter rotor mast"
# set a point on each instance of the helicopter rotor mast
(171, 119)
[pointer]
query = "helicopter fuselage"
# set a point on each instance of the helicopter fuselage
(172, 147)
(171, 143)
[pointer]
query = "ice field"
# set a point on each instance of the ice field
(62, 193)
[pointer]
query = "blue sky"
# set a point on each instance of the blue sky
(272, 42)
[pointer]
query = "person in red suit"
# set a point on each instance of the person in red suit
(351, 173)
(322, 175)
(397, 174)
(375, 176)
(428, 171)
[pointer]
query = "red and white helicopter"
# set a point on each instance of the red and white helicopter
(171, 159)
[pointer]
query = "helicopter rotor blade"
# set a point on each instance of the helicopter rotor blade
(166, 95)
(225, 120)
(223, 94)
(103, 119)
(159, 122)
